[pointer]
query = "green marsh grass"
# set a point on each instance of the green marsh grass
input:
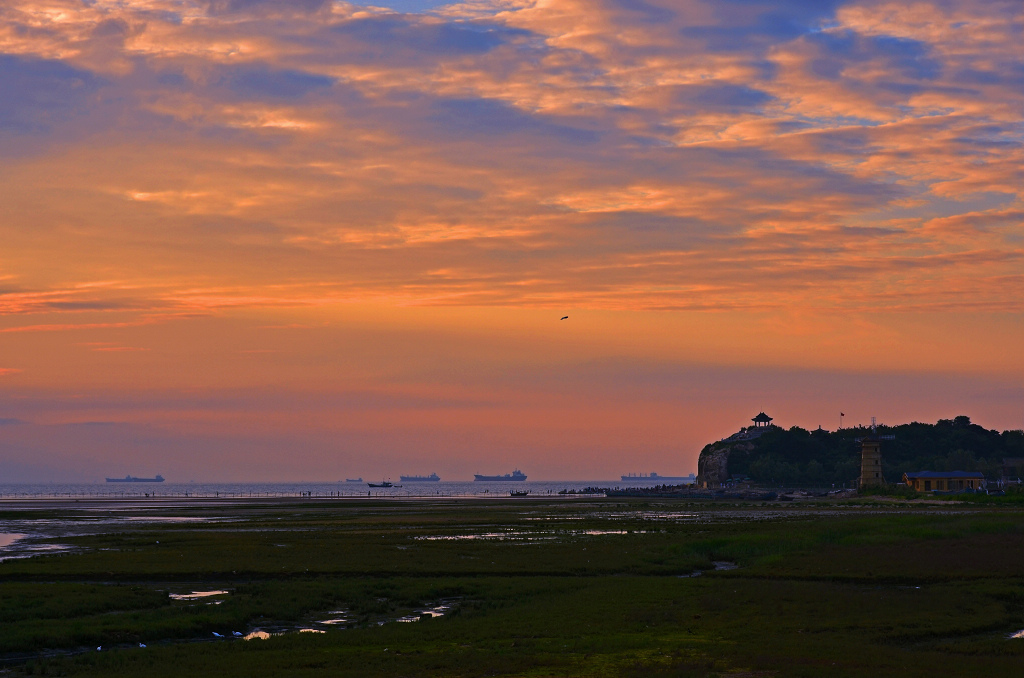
(820, 590)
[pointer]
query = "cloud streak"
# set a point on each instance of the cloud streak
(481, 140)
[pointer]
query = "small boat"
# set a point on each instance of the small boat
(354, 480)
(518, 493)
(383, 483)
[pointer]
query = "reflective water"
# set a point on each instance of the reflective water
(497, 536)
(196, 595)
(8, 538)
(340, 489)
(23, 538)
(175, 519)
(342, 621)
(25, 544)
(719, 565)
(338, 618)
(523, 535)
(431, 613)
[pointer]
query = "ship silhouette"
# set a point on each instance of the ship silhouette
(515, 475)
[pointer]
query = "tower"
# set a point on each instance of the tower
(870, 463)
(871, 457)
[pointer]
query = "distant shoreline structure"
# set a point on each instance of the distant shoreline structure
(654, 476)
(516, 475)
(132, 479)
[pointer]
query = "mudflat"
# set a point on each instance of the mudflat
(523, 587)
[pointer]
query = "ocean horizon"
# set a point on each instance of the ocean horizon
(443, 488)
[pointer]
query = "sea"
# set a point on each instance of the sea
(443, 488)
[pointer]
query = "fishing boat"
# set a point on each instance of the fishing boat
(518, 493)
(383, 483)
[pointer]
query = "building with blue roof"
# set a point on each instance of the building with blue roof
(945, 481)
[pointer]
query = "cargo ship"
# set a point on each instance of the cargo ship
(515, 475)
(133, 479)
(654, 476)
(432, 478)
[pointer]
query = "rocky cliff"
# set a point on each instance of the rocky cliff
(713, 464)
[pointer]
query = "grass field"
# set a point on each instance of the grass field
(527, 587)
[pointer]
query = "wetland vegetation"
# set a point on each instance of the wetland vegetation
(535, 587)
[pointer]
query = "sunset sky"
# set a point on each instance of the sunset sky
(305, 240)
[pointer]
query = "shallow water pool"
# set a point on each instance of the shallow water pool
(8, 538)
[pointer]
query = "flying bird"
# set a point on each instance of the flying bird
(565, 317)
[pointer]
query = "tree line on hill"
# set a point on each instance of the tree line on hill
(819, 458)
